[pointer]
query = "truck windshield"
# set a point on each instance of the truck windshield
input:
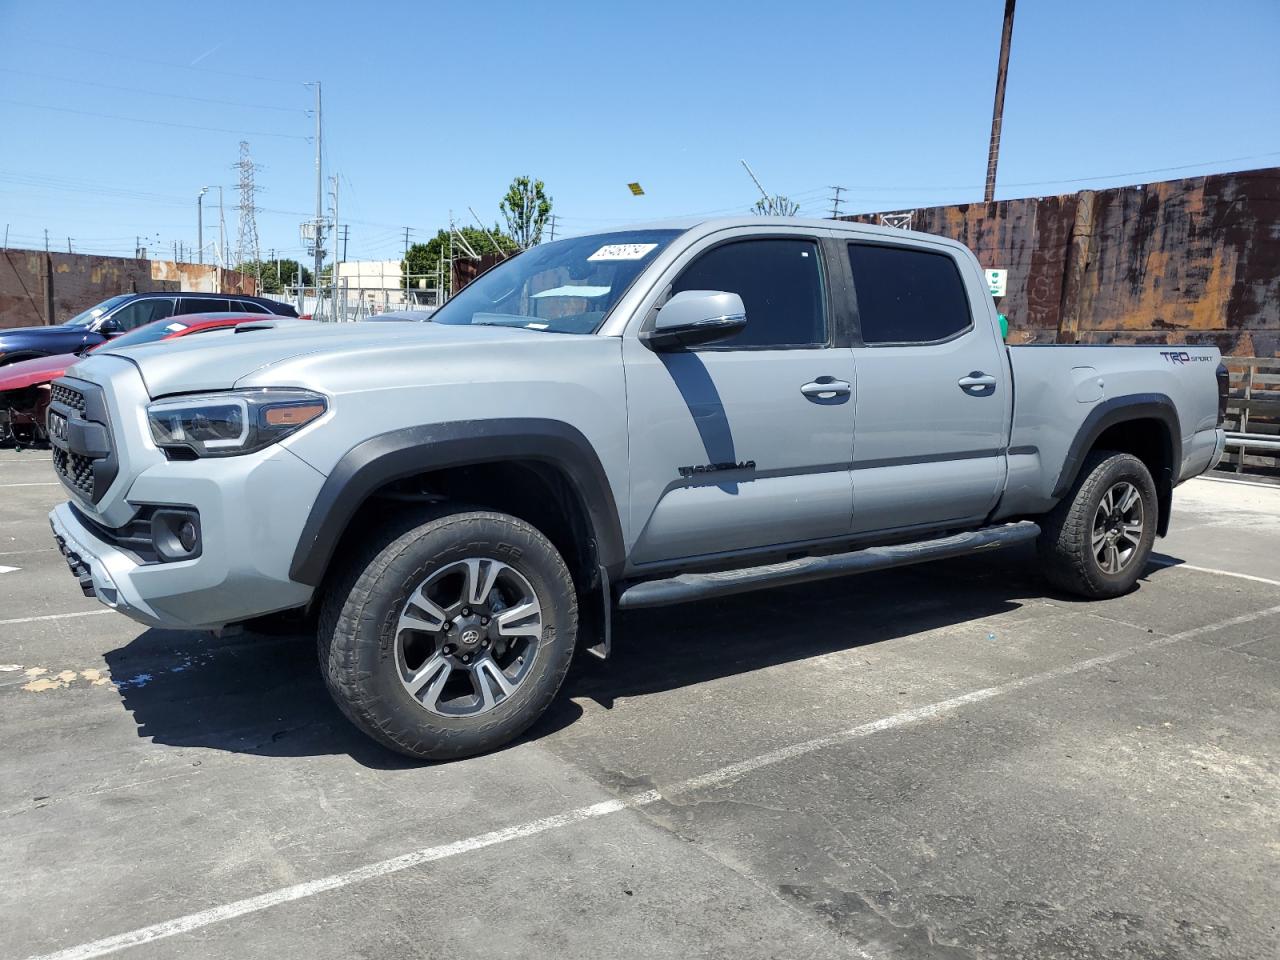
(93, 313)
(568, 286)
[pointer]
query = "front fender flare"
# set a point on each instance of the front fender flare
(373, 463)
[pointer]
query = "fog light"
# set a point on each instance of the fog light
(175, 532)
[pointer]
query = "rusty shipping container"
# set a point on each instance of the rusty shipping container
(1181, 261)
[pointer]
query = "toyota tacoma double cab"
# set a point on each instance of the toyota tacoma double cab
(647, 416)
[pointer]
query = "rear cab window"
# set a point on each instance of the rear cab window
(907, 295)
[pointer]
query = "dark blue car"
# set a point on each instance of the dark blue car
(121, 314)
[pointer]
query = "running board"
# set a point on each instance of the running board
(723, 583)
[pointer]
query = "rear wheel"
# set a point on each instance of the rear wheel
(449, 636)
(1097, 541)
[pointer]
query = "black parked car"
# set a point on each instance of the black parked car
(122, 314)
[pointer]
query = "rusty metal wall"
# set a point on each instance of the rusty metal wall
(1182, 261)
(81, 280)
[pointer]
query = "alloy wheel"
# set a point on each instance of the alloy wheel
(1117, 527)
(468, 636)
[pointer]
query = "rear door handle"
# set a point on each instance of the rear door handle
(976, 380)
(826, 388)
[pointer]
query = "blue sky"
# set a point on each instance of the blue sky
(432, 107)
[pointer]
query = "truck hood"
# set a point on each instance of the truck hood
(217, 361)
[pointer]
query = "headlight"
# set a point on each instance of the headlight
(231, 423)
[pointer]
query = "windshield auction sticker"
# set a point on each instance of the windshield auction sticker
(623, 251)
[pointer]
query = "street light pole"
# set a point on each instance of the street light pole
(200, 222)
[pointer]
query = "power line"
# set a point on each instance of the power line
(835, 203)
(155, 93)
(158, 123)
(118, 55)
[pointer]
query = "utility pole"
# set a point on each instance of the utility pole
(835, 203)
(552, 218)
(406, 266)
(46, 240)
(997, 113)
(346, 235)
(334, 180)
(451, 253)
(319, 249)
(200, 222)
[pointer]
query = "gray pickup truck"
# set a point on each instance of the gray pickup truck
(647, 416)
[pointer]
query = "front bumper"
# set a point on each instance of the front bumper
(252, 510)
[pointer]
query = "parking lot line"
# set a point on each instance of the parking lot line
(43, 483)
(714, 778)
(1178, 564)
(57, 616)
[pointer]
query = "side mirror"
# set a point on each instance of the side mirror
(110, 328)
(695, 316)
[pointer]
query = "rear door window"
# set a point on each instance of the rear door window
(907, 295)
(204, 305)
(248, 306)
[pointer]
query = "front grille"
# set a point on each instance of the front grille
(83, 454)
(74, 469)
(72, 398)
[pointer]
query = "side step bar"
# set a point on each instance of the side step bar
(701, 586)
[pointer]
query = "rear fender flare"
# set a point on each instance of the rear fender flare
(1117, 410)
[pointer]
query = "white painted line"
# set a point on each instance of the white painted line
(715, 778)
(58, 616)
(28, 460)
(50, 483)
(1178, 565)
(9, 569)
(1247, 483)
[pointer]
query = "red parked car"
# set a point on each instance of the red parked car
(24, 386)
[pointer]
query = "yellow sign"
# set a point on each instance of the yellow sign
(636, 189)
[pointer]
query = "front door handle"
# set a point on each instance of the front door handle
(976, 381)
(826, 389)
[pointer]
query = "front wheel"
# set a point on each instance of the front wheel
(1097, 541)
(449, 636)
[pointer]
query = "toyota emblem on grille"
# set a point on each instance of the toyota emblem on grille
(58, 427)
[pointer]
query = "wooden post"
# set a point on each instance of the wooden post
(1244, 414)
(48, 289)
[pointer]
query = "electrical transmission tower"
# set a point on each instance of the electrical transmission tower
(247, 246)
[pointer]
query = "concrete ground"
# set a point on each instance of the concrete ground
(947, 761)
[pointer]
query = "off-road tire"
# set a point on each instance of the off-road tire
(1064, 544)
(360, 610)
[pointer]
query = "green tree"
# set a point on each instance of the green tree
(526, 208)
(778, 206)
(424, 261)
(273, 282)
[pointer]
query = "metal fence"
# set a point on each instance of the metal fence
(1253, 416)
